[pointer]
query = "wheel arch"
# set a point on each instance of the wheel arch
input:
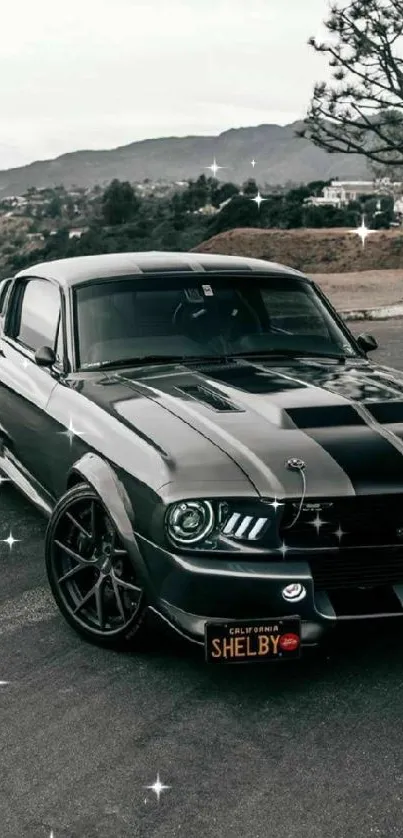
(99, 474)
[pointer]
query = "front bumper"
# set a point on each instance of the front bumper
(188, 591)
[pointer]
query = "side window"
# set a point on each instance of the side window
(39, 314)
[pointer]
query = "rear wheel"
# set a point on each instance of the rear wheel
(90, 573)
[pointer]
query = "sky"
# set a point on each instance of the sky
(93, 74)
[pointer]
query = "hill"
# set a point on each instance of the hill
(281, 158)
(321, 251)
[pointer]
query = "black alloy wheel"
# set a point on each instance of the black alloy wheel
(90, 573)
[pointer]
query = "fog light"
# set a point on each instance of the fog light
(294, 592)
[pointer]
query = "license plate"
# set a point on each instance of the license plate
(253, 641)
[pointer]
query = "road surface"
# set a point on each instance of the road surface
(307, 751)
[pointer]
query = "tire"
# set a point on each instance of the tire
(90, 573)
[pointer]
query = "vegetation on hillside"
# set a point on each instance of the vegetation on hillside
(53, 223)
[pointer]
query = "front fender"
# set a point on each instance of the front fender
(110, 490)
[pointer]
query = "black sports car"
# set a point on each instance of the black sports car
(209, 442)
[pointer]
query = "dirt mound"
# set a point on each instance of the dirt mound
(324, 251)
(362, 289)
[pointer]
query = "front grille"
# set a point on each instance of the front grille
(359, 521)
(357, 568)
(351, 542)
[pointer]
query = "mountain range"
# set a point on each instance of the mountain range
(281, 157)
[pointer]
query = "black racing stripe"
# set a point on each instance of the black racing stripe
(386, 412)
(339, 415)
(372, 464)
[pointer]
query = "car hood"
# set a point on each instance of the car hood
(343, 420)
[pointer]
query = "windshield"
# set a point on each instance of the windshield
(135, 318)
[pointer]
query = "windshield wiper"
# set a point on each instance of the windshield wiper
(208, 359)
(288, 353)
(156, 359)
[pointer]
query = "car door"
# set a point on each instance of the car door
(33, 320)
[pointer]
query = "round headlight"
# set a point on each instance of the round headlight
(190, 521)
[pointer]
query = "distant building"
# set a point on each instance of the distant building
(35, 236)
(208, 209)
(398, 207)
(77, 233)
(15, 200)
(341, 192)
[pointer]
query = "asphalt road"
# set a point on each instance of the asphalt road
(305, 751)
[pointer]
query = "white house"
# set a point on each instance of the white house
(76, 234)
(341, 192)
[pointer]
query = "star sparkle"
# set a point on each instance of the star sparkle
(71, 432)
(363, 231)
(258, 200)
(317, 522)
(275, 504)
(214, 167)
(158, 787)
(339, 533)
(10, 540)
(283, 549)
(253, 163)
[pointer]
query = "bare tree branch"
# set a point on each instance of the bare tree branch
(361, 110)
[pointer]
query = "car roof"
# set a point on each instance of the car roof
(78, 269)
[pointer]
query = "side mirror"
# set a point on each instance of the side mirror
(367, 342)
(45, 356)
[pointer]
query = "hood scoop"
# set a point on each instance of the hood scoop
(386, 413)
(213, 400)
(336, 416)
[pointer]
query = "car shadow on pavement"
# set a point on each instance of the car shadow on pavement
(364, 653)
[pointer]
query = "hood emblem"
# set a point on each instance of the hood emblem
(295, 464)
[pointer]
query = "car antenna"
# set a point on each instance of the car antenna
(295, 464)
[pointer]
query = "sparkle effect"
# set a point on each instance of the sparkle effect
(363, 231)
(275, 504)
(214, 167)
(317, 522)
(283, 549)
(10, 540)
(258, 200)
(71, 432)
(158, 787)
(253, 163)
(339, 533)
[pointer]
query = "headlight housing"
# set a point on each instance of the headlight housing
(219, 524)
(190, 521)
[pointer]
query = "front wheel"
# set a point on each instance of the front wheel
(90, 573)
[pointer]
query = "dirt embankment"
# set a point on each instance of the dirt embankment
(351, 275)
